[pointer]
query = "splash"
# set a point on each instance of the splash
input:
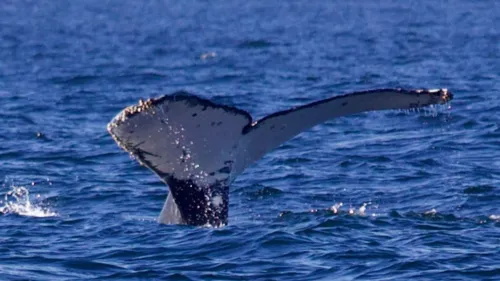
(430, 212)
(432, 110)
(17, 201)
(336, 208)
(494, 217)
(352, 211)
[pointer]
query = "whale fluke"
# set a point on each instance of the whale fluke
(198, 147)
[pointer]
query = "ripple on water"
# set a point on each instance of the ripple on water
(429, 177)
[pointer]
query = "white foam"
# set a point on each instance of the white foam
(494, 217)
(362, 209)
(17, 201)
(208, 55)
(335, 208)
(430, 212)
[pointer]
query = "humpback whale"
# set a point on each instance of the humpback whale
(198, 147)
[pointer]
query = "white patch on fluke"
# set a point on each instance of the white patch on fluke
(217, 201)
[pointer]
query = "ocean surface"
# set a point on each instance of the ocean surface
(394, 195)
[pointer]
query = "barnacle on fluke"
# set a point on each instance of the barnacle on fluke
(131, 110)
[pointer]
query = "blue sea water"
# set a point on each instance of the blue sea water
(417, 193)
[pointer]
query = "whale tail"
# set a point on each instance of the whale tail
(198, 147)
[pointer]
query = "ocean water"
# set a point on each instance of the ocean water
(374, 196)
